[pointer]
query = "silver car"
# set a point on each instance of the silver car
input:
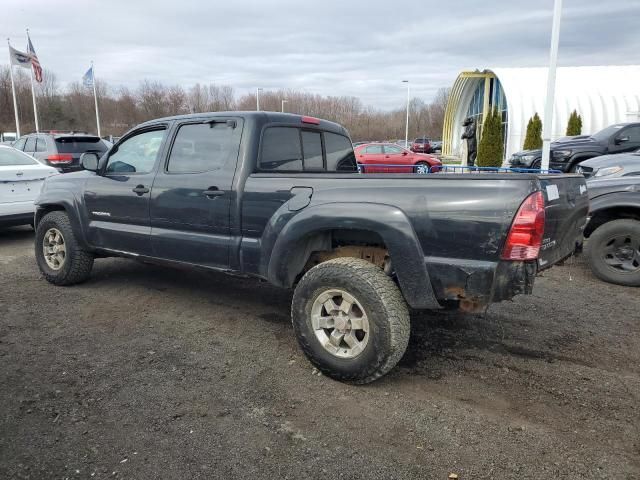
(611, 166)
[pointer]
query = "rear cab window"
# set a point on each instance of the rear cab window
(295, 150)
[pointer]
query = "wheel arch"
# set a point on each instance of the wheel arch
(314, 228)
(609, 213)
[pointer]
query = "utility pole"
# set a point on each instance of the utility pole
(283, 102)
(547, 127)
(258, 98)
(406, 128)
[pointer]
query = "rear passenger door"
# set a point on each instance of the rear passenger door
(192, 194)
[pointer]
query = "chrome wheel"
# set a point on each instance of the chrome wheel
(54, 248)
(422, 168)
(340, 323)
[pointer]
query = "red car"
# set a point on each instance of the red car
(390, 158)
(421, 145)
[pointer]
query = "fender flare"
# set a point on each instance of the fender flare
(58, 199)
(389, 222)
(611, 201)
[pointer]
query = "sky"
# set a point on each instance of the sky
(355, 48)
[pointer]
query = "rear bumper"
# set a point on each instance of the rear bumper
(473, 285)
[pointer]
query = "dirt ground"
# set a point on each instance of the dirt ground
(146, 372)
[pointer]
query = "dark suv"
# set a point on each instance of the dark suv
(567, 153)
(61, 150)
(421, 145)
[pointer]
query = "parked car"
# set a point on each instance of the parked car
(61, 150)
(390, 158)
(613, 229)
(617, 165)
(421, 145)
(279, 197)
(568, 152)
(436, 146)
(21, 177)
(7, 138)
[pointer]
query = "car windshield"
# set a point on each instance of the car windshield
(607, 132)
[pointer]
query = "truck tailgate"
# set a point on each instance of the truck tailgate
(567, 205)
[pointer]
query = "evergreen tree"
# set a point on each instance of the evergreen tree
(533, 139)
(574, 126)
(491, 148)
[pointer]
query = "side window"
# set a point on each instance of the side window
(281, 150)
(202, 147)
(312, 149)
(41, 144)
(374, 149)
(30, 146)
(340, 156)
(633, 133)
(392, 150)
(136, 154)
(19, 145)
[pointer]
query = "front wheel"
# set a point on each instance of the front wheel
(613, 252)
(350, 319)
(58, 254)
(421, 168)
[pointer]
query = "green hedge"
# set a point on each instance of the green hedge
(491, 147)
(533, 139)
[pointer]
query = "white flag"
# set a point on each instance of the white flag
(19, 58)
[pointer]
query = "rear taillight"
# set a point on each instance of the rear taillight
(525, 236)
(59, 158)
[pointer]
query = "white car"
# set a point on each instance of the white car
(21, 178)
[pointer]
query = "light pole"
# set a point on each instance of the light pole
(258, 90)
(551, 86)
(406, 128)
(283, 102)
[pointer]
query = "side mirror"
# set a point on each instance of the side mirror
(405, 153)
(89, 161)
(620, 140)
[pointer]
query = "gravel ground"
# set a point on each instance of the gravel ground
(147, 372)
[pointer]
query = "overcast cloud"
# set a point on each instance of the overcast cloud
(361, 48)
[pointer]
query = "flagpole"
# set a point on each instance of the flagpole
(95, 97)
(13, 91)
(33, 95)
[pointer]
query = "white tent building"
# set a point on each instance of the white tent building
(601, 95)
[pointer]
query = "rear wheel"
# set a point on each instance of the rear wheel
(613, 252)
(350, 320)
(58, 254)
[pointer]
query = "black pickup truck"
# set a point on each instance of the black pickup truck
(567, 153)
(279, 197)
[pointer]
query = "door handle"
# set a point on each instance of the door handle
(140, 190)
(213, 192)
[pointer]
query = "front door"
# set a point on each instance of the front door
(117, 198)
(192, 194)
(394, 155)
(627, 140)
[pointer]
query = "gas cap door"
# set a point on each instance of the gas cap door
(300, 198)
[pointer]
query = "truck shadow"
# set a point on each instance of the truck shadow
(15, 234)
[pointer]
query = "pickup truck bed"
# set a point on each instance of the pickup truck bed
(278, 196)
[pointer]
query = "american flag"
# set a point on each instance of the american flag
(35, 63)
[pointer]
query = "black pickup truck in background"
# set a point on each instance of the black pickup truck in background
(279, 197)
(567, 153)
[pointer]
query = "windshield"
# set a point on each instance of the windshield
(607, 132)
